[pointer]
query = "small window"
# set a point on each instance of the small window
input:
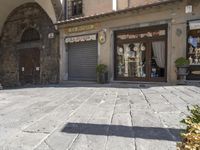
(76, 7)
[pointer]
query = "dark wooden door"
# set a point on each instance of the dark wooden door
(29, 66)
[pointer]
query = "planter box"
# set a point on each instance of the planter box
(183, 70)
(182, 73)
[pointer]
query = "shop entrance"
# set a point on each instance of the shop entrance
(29, 58)
(82, 61)
(140, 55)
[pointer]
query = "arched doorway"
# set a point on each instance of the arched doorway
(28, 53)
(29, 58)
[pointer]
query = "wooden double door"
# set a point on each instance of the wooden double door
(29, 66)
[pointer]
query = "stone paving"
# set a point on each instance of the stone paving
(94, 117)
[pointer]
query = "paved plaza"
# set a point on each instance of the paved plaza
(91, 117)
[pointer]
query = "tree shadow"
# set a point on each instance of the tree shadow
(154, 133)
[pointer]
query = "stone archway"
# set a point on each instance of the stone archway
(29, 58)
(53, 8)
(25, 17)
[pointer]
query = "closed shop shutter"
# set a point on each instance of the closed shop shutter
(83, 61)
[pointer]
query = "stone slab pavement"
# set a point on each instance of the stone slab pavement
(94, 117)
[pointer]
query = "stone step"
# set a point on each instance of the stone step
(193, 82)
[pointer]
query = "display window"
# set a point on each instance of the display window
(140, 54)
(193, 49)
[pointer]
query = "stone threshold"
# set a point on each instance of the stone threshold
(141, 83)
(127, 84)
(193, 82)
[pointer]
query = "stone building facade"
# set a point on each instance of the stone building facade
(138, 44)
(95, 7)
(28, 29)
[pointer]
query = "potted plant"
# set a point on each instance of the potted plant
(191, 136)
(1, 87)
(182, 65)
(102, 73)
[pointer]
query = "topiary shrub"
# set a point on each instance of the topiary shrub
(191, 137)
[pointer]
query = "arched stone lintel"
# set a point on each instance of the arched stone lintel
(53, 9)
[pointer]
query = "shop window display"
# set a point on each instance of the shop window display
(131, 60)
(193, 51)
(141, 55)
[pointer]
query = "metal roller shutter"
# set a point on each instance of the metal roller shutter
(83, 61)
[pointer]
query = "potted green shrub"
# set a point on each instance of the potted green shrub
(1, 87)
(102, 73)
(182, 65)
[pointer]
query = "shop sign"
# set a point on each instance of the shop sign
(188, 9)
(82, 38)
(194, 25)
(82, 28)
(141, 35)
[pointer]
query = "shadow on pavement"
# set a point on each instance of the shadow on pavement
(154, 133)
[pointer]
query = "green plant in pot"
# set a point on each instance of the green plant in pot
(182, 65)
(102, 73)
